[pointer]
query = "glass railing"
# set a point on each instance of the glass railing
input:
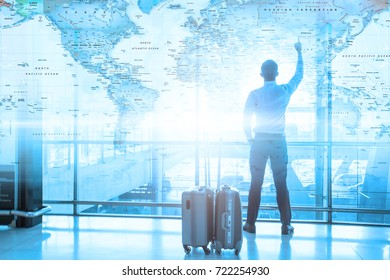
(341, 182)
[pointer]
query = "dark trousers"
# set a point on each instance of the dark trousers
(273, 147)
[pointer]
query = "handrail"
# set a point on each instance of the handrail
(26, 214)
(178, 205)
(216, 143)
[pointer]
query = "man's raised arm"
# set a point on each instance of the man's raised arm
(298, 76)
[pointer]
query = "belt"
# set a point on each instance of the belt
(269, 135)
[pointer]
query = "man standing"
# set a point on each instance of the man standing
(269, 104)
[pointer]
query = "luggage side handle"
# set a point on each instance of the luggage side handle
(225, 222)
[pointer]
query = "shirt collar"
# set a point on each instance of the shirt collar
(269, 83)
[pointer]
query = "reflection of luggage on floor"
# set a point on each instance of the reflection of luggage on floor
(197, 218)
(228, 220)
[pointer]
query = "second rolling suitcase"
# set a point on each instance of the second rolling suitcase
(228, 220)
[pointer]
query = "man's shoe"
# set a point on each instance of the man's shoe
(249, 228)
(287, 229)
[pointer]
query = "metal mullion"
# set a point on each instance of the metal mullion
(329, 120)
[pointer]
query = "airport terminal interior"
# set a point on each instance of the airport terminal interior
(110, 110)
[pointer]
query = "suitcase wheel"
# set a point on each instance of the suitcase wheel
(238, 248)
(187, 249)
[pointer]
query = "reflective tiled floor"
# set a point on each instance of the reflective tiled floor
(104, 238)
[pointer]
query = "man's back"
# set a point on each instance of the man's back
(269, 102)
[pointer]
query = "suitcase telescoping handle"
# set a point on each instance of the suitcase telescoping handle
(219, 165)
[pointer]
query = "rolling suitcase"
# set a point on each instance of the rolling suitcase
(228, 220)
(197, 218)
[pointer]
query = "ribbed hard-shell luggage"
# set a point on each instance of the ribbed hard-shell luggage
(197, 218)
(228, 220)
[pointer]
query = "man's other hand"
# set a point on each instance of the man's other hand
(298, 46)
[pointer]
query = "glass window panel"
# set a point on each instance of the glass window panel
(364, 218)
(104, 176)
(361, 179)
(58, 171)
(61, 209)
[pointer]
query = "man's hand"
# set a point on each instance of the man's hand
(298, 46)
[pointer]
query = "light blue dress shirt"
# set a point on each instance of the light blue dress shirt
(269, 104)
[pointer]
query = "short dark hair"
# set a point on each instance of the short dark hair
(269, 70)
(269, 66)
